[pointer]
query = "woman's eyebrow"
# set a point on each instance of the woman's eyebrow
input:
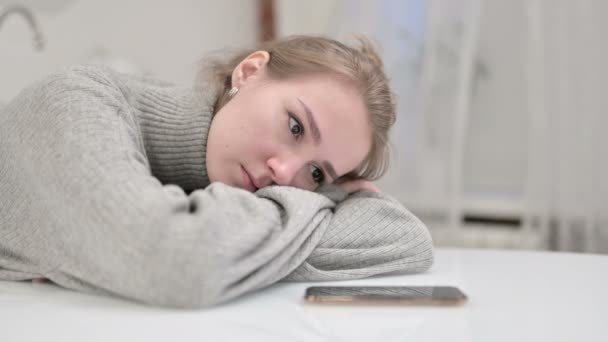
(316, 136)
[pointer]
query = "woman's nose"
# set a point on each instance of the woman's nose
(283, 170)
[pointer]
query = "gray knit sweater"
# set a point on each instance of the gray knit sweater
(103, 188)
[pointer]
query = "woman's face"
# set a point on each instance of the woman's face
(301, 132)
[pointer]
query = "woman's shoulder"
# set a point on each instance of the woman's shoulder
(86, 81)
(99, 77)
(68, 94)
(83, 73)
(71, 83)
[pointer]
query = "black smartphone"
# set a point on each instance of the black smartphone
(403, 295)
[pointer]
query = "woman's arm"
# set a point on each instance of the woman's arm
(80, 207)
(370, 233)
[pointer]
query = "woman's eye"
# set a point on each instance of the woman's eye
(317, 174)
(295, 127)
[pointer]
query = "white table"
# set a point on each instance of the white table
(513, 296)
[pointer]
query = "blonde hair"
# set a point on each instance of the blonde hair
(300, 55)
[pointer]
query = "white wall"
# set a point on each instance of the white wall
(303, 17)
(164, 38)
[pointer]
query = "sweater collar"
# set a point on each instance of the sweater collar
(175, 124)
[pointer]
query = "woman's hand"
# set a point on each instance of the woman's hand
(355, 185)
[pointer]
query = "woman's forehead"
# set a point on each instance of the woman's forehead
(328, 94)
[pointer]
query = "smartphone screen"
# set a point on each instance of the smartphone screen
(415, 295)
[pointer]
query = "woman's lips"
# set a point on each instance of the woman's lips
(247, 181)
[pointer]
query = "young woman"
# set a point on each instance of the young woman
(184, 197)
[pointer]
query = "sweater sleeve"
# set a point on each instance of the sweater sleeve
(85, 212)
(369, 233)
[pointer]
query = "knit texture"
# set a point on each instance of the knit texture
(104, 188)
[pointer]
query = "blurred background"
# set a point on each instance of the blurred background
(500, 137)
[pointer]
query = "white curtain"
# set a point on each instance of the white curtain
(497, 99)
(568, 102)
(561, 54)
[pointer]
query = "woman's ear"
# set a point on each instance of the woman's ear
(252, 65)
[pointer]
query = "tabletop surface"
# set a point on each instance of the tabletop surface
(513, 296)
